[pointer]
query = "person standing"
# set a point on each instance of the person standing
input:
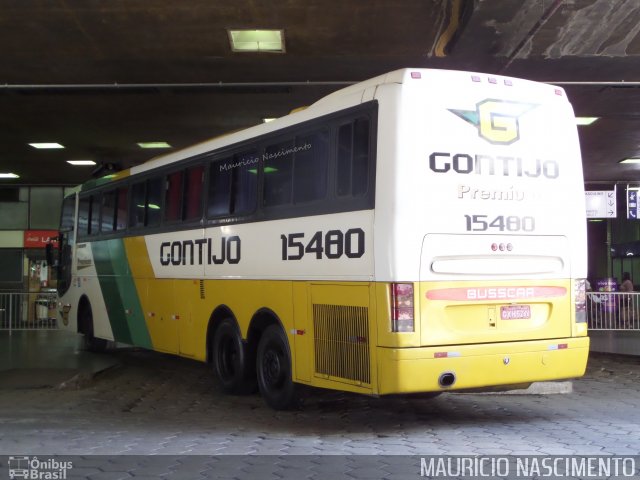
(626, 311)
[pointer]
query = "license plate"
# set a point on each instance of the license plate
(515, 312)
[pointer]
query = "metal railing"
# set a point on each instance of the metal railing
(28, 311)
(613, 311)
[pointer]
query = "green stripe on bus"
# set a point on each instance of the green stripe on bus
(120, 294)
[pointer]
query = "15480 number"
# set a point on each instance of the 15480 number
(332, 244)
(482, 223)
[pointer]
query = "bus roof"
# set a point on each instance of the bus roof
(337, 100)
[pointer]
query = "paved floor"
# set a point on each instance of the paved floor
(151, 403)
(154, 403)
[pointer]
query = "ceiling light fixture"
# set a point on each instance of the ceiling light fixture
(9, 175)
(270, 41)
(50, 145)
(267, 120)
(584, 121)
(630, 160)
(81, 162)
(154, 145)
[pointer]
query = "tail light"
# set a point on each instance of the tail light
(402, 307)
(580, 299)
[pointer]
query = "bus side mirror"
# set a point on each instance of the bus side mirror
(48, 250)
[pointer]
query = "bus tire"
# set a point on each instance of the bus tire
(273, 365)
(85, 318)
(230, 359)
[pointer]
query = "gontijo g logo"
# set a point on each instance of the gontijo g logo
(496, 120)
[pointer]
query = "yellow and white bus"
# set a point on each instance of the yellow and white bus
(422, 231)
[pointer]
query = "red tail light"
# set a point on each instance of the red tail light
(402, 307)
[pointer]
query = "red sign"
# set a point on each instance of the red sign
(40, 238)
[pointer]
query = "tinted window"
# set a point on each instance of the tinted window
(108, 211)
(353, 158)
(137, 205)
(83, 216)
(278, 173)
(233, 183)
(94, 216)
(154, 201)
(68, 210)
(296, 170)
(173, 197)
(192, 201)
(121, 211)
(310, 167)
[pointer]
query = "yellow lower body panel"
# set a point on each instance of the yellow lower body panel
(413, 370)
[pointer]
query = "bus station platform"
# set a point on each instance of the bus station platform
(163, 405)
(47, 359)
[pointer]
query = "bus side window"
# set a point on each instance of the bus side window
(83, 216)
(310, 167)
(244, 184)
(219, 188)
(353, 158)
(68, 210)
(233, 184)
(192, 200)
(154, 201)
(94, 215)
(108, 211)
(173, 197)
(137, 205)
(278, 173)
(121, 211)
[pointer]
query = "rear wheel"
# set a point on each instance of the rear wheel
(273, 365)
(230, 358)
(85, 319)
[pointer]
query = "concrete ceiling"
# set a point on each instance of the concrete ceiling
(100, 76)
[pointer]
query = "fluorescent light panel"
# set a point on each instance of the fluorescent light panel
(267, 120)
(81, 162)
(154, 145)
(583, 121)
(257, 40)
(9, 175)
(50, 145)
(630, 160)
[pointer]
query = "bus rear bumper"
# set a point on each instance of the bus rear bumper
(413, 370)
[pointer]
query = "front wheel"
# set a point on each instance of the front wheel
(91, 343)
(273, 366)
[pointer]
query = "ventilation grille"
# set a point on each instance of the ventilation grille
(342, 342)
(202, 289)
